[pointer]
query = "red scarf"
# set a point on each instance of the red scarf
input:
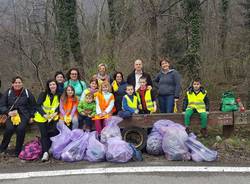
(17, 92)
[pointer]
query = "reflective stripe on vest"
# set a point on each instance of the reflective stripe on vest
(132, 104)
(48, 108)
(148, 100)
(196, 101)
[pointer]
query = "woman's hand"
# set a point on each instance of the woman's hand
(12, 113)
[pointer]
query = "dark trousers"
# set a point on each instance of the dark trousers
(166, 103)
(47, 130)
(84, 120)
(20, 134)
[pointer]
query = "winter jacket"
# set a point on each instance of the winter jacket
(26, 104)
(168, 83)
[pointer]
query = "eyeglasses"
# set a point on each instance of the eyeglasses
(73, 74)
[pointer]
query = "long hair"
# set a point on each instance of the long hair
(64, 96)
(47, 90)
(105, 83)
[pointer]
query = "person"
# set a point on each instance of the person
(74, 79)
(146, 97)
(60, 79)
(169, 87)
(68, 108)
(47, 115)
(19, 105)
(119, 90)
(129, 103)
(196, 101)
(87, 110)
(93, 88)
(102, 74)
(104, 105)
(133, 78)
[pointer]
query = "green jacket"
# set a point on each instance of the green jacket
(83, 106)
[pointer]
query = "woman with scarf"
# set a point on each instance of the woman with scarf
(102, 74)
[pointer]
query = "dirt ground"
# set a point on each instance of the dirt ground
(234, 150)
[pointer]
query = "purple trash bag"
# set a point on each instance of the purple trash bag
(118, 150)
(76, 134)
(199, 152)
(60, 141)
(75, 151)
(95, 150)
(154, 144)
(111, 129)
(161, 125)
(173, 143)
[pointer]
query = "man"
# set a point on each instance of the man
(133, 78)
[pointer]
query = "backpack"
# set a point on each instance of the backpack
(228, 102)
(32, 150)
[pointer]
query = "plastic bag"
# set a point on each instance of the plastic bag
(199, 152)
(154, 143)
(111, 129)
(161, 125)
(95, 149)
(118, 150)
(75, 150)
(173, 143)
(60, 141)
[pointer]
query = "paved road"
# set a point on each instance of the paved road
(163, 178)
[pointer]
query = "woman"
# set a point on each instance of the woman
(19, 105)
(74, 79)
(102, 74)
(119, 90)
(169, 87)
(46, 116)
(60, 79)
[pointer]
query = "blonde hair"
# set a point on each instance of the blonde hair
(105, 83)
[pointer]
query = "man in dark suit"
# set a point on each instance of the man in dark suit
(133, 78)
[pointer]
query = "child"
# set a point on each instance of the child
(87, 110)
(196, 100)
(146, 97)
(68, 107)
(104, 105)
(129, 103)
(92, 89)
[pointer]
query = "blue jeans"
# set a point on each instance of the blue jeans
(85, 120)
(166, 103)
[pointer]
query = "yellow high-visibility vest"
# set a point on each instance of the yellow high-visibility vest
(48, 109)
(148, 100)
(132, 104)
(196, 101)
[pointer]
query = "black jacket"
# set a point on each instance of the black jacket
(25, 105)
(131, 78)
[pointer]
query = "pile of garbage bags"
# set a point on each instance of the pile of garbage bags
(76, 145)
(171, 139)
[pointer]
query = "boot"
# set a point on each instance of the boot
(204, 132)
(188, 130)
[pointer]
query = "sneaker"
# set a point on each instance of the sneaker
(45, 157)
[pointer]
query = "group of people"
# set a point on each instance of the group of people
(69, 100)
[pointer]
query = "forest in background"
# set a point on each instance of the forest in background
(206, 38)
